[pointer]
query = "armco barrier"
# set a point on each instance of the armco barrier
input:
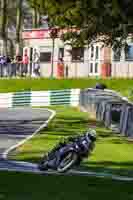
(91, 98)
(115, 111)
(96, 102)
(21, 99)
(40, 98)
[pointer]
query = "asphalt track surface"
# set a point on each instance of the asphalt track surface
(20, 124)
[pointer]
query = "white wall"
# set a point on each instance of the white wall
(122, 68)
(75, 69)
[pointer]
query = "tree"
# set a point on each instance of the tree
(11, 25)
(53, 34)
(36, 11)
(3, 26)
(111, 21)
(18, 25)
(35, 15)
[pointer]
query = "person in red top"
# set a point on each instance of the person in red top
(25, 64)
(60, 68)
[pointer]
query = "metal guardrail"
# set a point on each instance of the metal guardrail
(91, 98)
(114, 110)
(101, 104)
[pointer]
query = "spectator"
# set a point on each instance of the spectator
(19, 64)
(36, 63)
(60, 68)
(2, 65)
(13, 66)
(66, 74)
(25, 62)
(8, 62)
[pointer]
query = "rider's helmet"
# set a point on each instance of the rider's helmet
(91, 134)
(100, 86)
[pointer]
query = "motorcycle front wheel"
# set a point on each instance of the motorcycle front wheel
(67, 161)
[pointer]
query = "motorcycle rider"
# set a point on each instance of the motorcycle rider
(79, 147)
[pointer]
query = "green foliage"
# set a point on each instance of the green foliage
(111, 18)
(95, 18)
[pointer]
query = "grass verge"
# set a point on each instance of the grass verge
(112, 153)
(12, 85)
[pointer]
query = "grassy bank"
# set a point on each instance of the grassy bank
(12, 85)
(112, 153)
(20, 186)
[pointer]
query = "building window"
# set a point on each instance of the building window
(129, 53)
(45, 57)
(117, 55)
(91, 68)
(96, 68)
(78, 54)
(97, 52)
(92, 51)
(61, 53)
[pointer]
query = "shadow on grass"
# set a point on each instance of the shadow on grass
(118, 168)
(66, 127)
(119, 141)
(70, 126)
(65, 134)
(110, 163)
(105, 133)
(93, 122)
(28, 156)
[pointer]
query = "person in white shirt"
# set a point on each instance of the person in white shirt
(36, 63)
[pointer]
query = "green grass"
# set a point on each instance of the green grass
(12, 85)
(22, 186)
(112, 153)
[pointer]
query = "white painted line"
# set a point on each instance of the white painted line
(102, 175)
(5, 154)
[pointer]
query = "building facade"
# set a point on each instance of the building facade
(122, 62)
(78, 62)
(95, 60)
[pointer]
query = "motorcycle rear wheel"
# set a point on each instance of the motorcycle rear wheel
(67, 161)
(43, 164)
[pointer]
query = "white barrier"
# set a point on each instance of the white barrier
(40, 98)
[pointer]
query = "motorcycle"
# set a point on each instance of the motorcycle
(69, 153)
